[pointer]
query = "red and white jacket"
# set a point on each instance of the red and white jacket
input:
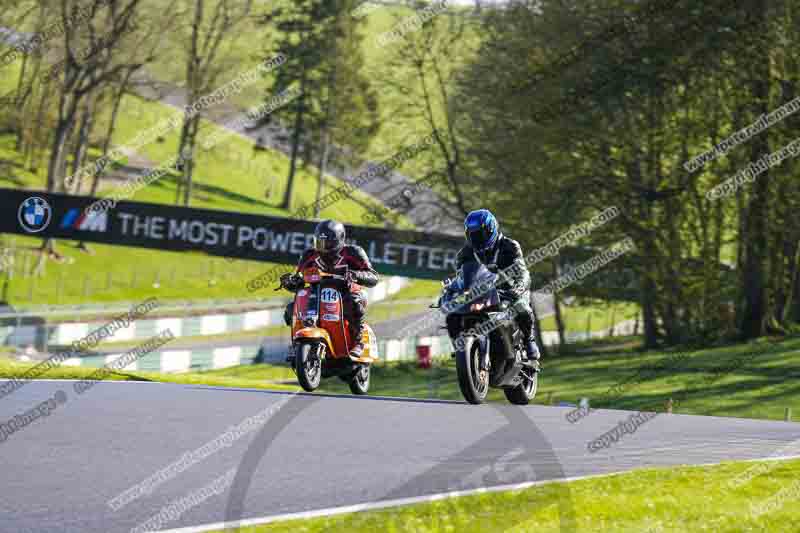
(351, 258)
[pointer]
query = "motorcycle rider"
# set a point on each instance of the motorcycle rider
(330, 254)
(487, 245)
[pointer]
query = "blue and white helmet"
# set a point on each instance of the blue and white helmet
(481, 230)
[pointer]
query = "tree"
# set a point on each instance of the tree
(209, 32)
(337, 105)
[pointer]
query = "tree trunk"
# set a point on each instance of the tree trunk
(112, 125)
(322, 168)
(648, 298)
(82, 144)
(188, 159)
(791, 303)
(18, 101)
(754, 277)
(562, 339)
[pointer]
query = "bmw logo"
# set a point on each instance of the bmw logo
(34, 214)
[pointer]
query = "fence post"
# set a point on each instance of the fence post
(787, 415)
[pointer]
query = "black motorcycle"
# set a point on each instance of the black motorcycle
(490, 350)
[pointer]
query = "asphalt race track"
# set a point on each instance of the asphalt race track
(314, 452)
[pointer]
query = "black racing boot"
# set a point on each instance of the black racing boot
(356, 335)
(532, 350)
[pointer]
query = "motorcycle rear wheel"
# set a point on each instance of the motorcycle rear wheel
(467, 366)
(309, 369)
(523, 393)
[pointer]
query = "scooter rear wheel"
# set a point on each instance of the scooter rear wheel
(308, 366)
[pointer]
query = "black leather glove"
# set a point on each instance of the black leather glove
(294, 282)
(506, 295)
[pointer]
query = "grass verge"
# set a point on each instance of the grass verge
(761, 387)
(663, 500)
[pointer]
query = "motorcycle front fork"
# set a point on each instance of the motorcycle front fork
(483, 358)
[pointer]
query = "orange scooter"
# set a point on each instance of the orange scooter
(321, 339)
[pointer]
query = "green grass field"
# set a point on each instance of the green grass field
(663, 500)
(591, 316)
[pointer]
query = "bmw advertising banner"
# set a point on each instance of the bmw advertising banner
(220, 233)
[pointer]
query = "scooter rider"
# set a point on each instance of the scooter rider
(330, 254)
(487, 245)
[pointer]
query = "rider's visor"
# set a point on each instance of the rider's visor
(478, 238)
(322, 244)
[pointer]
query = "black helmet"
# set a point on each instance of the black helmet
(329, 237)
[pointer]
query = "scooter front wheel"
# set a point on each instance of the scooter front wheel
(308, 364)
(359, 383)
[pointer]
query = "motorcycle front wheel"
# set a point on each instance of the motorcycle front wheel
(472, 386)
(309, 366)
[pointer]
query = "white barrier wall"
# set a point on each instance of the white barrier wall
(65, 334)
(113, 357)
(175, 325)
(225, 357)
(176, 361)
(213, 324)
(68, 333)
